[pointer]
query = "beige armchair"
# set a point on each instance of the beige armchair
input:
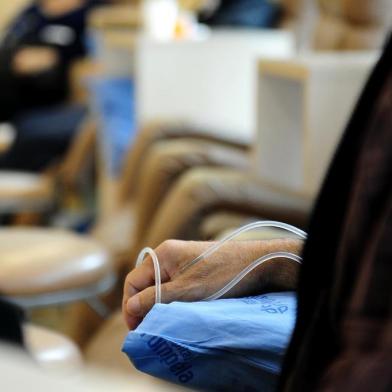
(52, 267)
(44, 267)
(157, 159)
(160, 131)
(166, 161)
(203, 191)
(352, 24)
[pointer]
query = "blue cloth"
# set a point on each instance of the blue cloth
(228, 344)
(114, 104)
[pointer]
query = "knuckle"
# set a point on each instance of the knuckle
(169, 244)
(171, 253)
(169, 247)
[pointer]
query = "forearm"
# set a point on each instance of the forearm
(274, 275)
(281, 274)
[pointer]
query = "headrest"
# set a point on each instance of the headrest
(365, 12)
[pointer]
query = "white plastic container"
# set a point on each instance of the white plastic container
(160, 18)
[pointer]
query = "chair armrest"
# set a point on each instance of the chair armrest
(79, 72)
(202, 191)
(79, 154)
(153, 133)
(220, 224)
(51, 349)
(167, 160)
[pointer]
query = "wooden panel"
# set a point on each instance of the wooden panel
(303, 107)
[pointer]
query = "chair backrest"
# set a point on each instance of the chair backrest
(352, 24)
(338, 24)
(292, 10)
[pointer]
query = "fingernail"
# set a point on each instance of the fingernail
(133, 305)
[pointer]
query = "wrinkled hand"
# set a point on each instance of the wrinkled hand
(207, 276)
(34, 59)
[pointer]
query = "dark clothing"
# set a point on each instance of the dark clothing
(244, 13)
(343, 336)
(11, 324)
(65, 34)
(37, 145)
(36, 104)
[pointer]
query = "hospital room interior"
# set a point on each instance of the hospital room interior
(196, 195)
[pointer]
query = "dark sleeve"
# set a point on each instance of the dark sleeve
(23, 25)
(11, 324)
(14, 36)
(9, 96)
(326, 284)
(46, 88)
(19, 92)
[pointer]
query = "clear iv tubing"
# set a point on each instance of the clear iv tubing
(157, 270)
(300, 233)
(285, 255)
(251, 226)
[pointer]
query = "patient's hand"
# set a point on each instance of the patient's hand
(207, 276)
(34, 59)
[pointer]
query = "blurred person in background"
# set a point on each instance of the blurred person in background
(240, 13)
(36, 55)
